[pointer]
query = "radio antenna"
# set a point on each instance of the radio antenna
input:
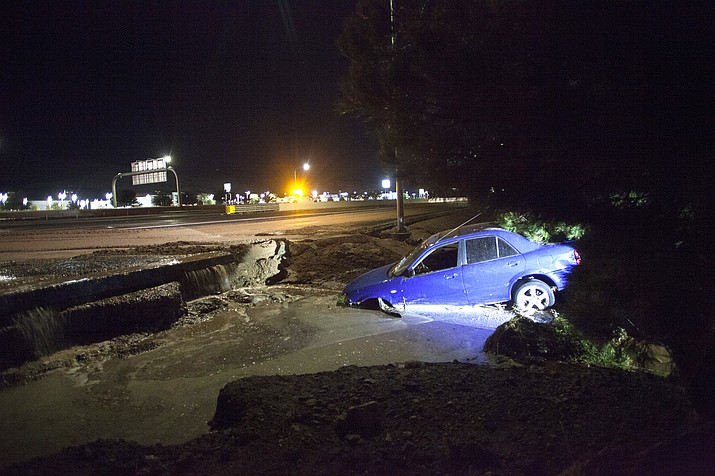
(458, 227)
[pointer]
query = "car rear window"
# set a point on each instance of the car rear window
(481, 249)
(505, 249)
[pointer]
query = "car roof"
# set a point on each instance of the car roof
(467, 230)
(477, 227)
(487, 228)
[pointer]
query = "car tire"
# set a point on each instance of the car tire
(532, 296)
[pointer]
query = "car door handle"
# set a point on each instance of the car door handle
(452, 276)
(511, 264)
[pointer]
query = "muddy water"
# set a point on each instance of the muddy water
(168, 394)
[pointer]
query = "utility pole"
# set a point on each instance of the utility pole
(400, 207)
(400, 202)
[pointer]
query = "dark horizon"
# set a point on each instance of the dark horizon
(242, 92)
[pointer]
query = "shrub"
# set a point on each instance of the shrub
(537, 229)
(559, 340)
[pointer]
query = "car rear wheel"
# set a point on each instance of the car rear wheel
(533, 295)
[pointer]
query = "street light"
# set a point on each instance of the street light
(306, 167)
(385, 185)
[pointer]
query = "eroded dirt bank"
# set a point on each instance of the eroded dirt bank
(402, 418)
(412, 418)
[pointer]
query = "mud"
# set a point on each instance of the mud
(312, 388)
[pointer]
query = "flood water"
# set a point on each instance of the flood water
(167, 394)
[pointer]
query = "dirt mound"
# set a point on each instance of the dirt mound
(413, 418)
(523, 339)
(333, 262)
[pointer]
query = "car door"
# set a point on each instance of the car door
(436, 278)
(491, 263)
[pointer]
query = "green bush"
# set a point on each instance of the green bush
(525, 340)
(537, 229)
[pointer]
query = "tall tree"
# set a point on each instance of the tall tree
(556, 104)
(441, 84)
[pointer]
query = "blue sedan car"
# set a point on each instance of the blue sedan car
(472, 265)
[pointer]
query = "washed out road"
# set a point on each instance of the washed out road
(162, 388)
(168, 394)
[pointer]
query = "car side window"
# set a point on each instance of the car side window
(481, 249)
(505, 249)
(444, 257)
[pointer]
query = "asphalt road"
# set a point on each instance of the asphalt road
(61, 238)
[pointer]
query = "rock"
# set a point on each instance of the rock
(472, 455)
(363, 420)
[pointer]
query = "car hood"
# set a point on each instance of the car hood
(368, 279)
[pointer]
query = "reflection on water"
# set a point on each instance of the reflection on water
(485, 317)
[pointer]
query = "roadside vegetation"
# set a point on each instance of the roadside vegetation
(638, 301)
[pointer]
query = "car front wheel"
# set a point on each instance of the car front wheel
(533, 295)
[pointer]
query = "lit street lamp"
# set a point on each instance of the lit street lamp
(306, 167)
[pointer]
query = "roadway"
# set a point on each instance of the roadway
(66, 237)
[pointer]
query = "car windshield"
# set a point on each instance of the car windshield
(407, 261)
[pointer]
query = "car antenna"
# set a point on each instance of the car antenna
(458, 227)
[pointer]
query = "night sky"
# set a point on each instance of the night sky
(240, 91)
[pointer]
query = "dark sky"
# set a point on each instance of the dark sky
(238, 91)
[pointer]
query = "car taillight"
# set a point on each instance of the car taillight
(577, 257)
